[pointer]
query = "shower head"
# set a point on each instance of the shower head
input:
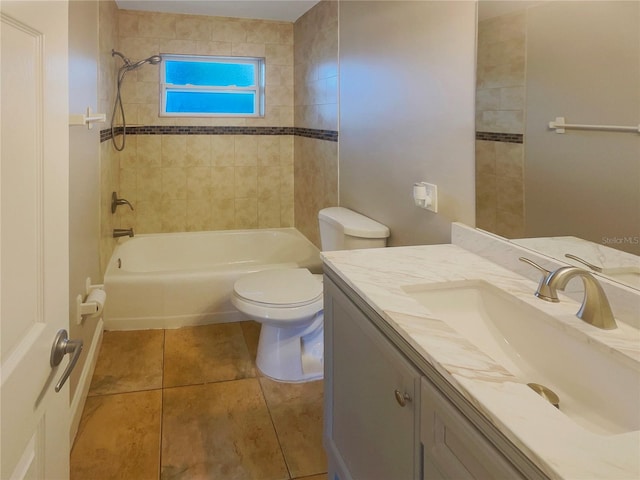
(153, 60)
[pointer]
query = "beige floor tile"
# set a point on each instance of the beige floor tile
(251, 332)
(207, 353)
(119, 437)
(322, 476)
(128, 362)
(219, 431)
(296, 410)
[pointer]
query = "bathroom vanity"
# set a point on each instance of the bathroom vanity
(411, 392)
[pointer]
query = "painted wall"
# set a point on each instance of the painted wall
(316, 106)
(84, 186)
(584, 183)
(407, 99)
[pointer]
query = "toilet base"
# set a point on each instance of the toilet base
(292, 355)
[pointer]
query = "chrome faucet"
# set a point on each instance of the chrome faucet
(122, 232)
(595, 308)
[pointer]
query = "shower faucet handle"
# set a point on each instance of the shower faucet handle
(115, 201)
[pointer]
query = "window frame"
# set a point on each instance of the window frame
(258, 89)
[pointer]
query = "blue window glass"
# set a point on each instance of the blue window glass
(197, 85)
(210, 74)
(210, 102)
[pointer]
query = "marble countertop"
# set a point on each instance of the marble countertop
(556, 444)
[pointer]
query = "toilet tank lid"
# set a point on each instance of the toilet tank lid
(354, 224)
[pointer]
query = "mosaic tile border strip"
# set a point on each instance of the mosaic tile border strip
(329, 135)
(500, 137)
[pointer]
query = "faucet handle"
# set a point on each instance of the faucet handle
(544, 291)
(115, 201)
(593, 267)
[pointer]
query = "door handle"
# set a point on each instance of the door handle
(61, 346)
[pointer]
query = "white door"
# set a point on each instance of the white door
(34, 256)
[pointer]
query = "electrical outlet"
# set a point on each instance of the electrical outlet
(432, 197)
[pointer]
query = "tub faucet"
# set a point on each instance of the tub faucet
(595, 308)
(122, 232)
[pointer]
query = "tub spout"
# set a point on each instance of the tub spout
(122, 232)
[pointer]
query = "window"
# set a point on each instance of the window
(209, 86)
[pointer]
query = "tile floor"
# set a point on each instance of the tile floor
(189, 404)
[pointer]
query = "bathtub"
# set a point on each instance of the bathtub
(170, 280)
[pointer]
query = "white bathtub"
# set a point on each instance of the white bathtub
(170, 280)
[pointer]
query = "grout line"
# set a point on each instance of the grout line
(164, 339)
(264, 397)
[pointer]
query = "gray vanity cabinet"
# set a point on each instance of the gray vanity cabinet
(371, 398)
(385, 414)
(452, 446)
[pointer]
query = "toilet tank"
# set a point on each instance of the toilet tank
(344, 229)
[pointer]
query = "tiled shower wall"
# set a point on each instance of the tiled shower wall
(316, 106)
(500, 112)
(180, 182)
(109, 158)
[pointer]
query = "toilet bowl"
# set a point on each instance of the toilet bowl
(289, 304)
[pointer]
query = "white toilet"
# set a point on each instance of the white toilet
(288, 302)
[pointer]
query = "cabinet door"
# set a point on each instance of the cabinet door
(452, 447)
(371, 433)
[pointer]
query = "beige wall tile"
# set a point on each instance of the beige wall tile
(268, 150)
(222, 150)
(157, 25)
(279, 54)
(227, 30)
(485, 157)
(269, 212)
(199, 185)
(223, 182)
(193, 28)
(246, 182)
(246, 213)
(213, 48)
(509, 160)
(174, 150)
(174, 215)
(148, 216)
(198, 214)
(246, 150)
(149, 151)
(174, 183)
(248, 49)
(198, 151)
(223, 214)
(149, 183)
(269, 183)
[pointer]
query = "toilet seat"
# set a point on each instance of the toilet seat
(283, 295)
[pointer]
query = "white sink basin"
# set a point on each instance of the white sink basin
(596, 390)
